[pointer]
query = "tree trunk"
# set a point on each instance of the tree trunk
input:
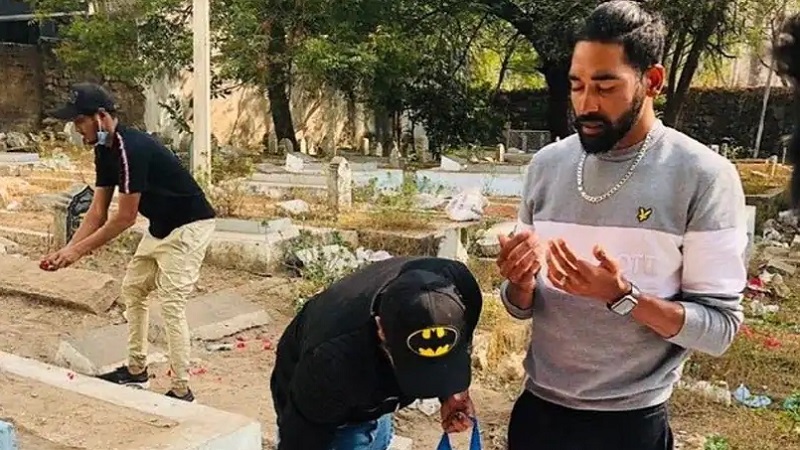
(710, 23)
(558, 102)
(278, 70)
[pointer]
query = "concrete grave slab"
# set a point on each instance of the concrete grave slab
(110, 416)
(254, 226)
(77, 288)
(221, 314)
(211, 317)
(102, 350)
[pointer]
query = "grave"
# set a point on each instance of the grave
(211, 317)
(82, 289)
(340, 185)
(448, 241)
(55, 409)
(69, 212)
(252, 245)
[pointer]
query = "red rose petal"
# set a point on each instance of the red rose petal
(772, 343)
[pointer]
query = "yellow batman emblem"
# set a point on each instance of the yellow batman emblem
(643, 214)
(433, 342)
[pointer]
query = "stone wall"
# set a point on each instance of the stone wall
(709, 114)
(35, 83)
(57, 80)
(242, 117)
(20, 103)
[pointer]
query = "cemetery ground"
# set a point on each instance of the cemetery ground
(231, 372)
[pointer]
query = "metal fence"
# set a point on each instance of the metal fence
(529, 141)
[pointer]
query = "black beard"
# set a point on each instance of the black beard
(612, 132)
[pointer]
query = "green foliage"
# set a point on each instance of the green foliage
(716, 443)
(711, 115)
(136, 41)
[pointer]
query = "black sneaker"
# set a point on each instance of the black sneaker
(122, 376)
(189, 397)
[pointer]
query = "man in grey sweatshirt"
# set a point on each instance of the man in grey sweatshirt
(629, 255)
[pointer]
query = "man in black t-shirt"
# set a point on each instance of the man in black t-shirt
(151, 181)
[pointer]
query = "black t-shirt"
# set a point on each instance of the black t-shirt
(137, 163)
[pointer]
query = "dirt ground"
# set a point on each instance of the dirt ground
(52, 413)
(238, 380)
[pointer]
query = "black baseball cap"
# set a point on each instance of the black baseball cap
(85, 99)
(427, 334)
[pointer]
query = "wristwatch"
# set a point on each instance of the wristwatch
(625, 304)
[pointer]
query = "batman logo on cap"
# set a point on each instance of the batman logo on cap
(433, 342)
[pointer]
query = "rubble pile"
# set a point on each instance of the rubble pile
(779, 249)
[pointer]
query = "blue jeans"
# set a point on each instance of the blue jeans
(372, 435)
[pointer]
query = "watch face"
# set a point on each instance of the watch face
(624, 306)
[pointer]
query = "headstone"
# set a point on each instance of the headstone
(285, 147)
(294, 163)
(501, 153)
(772, 161)
(365, 146)
(423, 149)
(451, 245)
(328, 147)
(70, 211)
(340, 185)
(312, 147)
(751, 230)
(394, 156)
(272, 144)
(450, 165)
(303, 146)
(379, 150)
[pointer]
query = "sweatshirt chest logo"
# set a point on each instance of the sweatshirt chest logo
(433, 342)
(643, 214)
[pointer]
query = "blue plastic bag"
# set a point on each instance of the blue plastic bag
(474, 443)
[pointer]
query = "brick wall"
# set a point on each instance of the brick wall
(21, 77)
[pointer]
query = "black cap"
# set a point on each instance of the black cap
(424, 320)
(85, 99)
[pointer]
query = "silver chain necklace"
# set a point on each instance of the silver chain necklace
(599, 198)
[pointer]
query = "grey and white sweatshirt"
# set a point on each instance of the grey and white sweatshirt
(678, 228)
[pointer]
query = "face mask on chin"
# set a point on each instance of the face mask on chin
(608, 133)
(102, 134)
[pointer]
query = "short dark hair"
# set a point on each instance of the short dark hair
(639, 32)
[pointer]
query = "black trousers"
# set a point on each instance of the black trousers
(539, 425)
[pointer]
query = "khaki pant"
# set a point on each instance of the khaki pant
(171, 267)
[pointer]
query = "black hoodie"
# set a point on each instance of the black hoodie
(330, 369)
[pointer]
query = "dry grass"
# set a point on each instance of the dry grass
(387, 219)
(757, 177)
(765, 357)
